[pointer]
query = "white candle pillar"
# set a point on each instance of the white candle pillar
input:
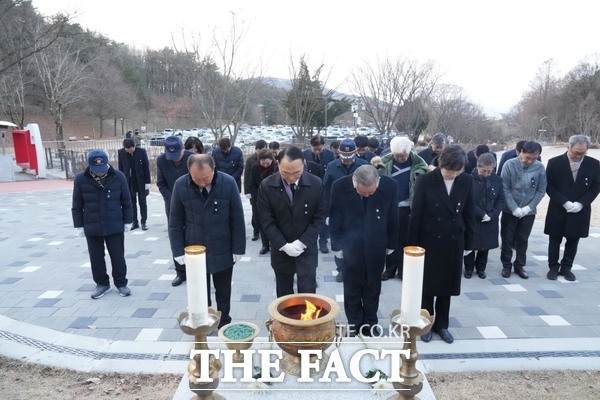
(195, 270)
(412, 285)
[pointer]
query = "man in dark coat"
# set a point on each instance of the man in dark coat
(229, 159)
(363, 216)
(292, 211)
(321, 155)
(434, 149)
(133, 162)
(101, 212)
(343, 166)
(573, 184)
(206, 210)
(488, 197)
(171, 165)
(441, 221)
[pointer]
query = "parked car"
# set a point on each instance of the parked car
(159, 140)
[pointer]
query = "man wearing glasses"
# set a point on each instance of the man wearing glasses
(291, 211)
(524, 185)
(573, 184)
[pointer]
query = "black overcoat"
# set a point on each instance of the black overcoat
(363, 234)
(443, 225)
(562, 188)
(284, 222)
(141, 168)
(488, 198)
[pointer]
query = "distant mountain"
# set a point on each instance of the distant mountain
(286, 84)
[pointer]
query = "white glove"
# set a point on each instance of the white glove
(467, 252)
(249, 195)
(577, 206)
(388, 251)
(291, 250)
(126, 227)
(338, 254)
(518, 212)
(568, 206)
(299, 246)
(180, 259)
(80, 232)
(237, 257)
(525, 210)
(486, 218)
(327, 221)
(147, 186)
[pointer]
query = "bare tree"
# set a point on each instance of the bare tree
(24, 32)
(63, 76)
(455, 115)
(386, 87)
(223, 83)
(107, 96)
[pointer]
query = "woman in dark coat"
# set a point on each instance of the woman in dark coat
(488, 197)
(265, 166)
(441, 221)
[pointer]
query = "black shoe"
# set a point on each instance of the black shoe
(445, 335)
(552, 274)
(569, 276)
(481, 274)
(385, 276)
(427, 337)
(324, 249)
(264, 250)
(506, 272)
(339, 277)
(178, 280)
(255, 237)
(144, 226)
(135, 225)
(521, 272)
(468, 274)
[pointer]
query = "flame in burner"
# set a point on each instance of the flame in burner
(311, 312)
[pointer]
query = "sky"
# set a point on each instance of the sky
(492, 49)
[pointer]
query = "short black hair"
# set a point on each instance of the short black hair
(452, 158)
(317, 140)
(224, 143)
(260, 144)
(481, 149)
(274, 145)
(361, 141)
(335, 144)
(373, 143)
(193, 141)
(532, 147)
(292, 153)
(128, 143)
(519, 145)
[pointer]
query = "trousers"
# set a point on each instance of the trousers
(115, 244)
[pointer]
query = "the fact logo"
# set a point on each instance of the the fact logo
(269, 363)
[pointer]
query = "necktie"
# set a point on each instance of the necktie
(317, 159)
(293, 188)
(204, 193)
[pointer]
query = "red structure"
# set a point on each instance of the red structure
(25, 152)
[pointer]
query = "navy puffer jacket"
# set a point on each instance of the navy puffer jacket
(101, 211)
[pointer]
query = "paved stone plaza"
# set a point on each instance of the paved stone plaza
(47, 315)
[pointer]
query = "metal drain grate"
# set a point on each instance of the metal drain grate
(98, 355)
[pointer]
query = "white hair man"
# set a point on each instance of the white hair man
(404, 165)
